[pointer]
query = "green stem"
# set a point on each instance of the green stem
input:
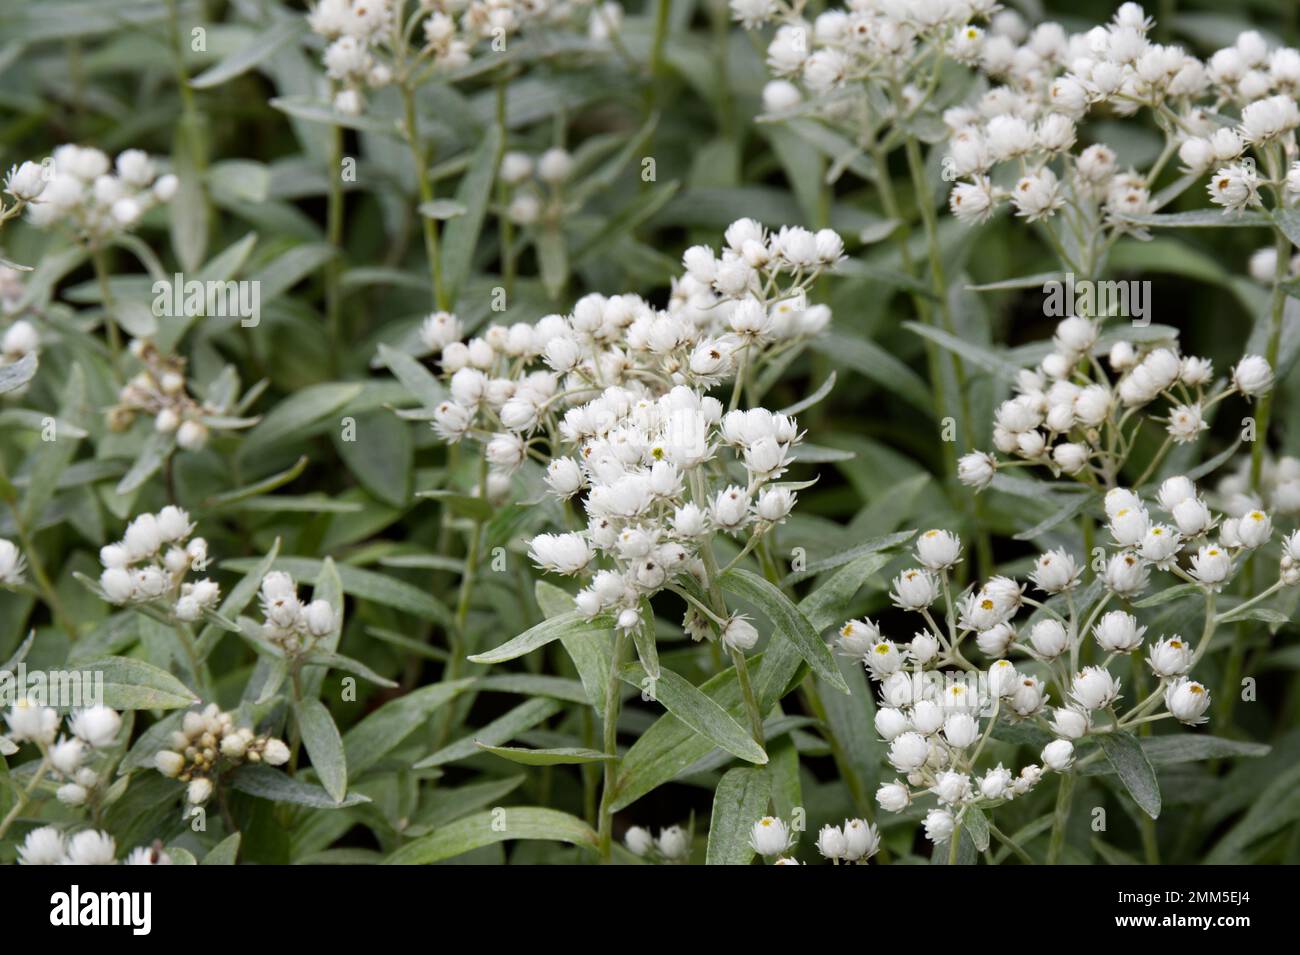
(99, 260)
(1277, 307)
(747, 691)
(613, 704)
(334, 226)
(1064, 797)
(428, 223)
(25, 795)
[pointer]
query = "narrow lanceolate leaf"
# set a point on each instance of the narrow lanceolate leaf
(877, 365)
(418, 380)
(590, 651)
(324, 745)
(875, 545)
(13, 377)
(572, 623)
(379, 733)
(224, 852)
(1134, 770)
(135, 685)
(496, 825)
(544, 757)
(261, 46)
(686, 702)
(739, 801)
(977, 825)
(267, 783)
(463, 231)
(789, 622)
(522, 718)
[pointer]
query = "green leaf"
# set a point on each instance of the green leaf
(518, 720)
(1059, 516)
(464, 505)
(157, 446)
(239, 597)
(1177, 592)
(544, 757)
(1134, 770)
(13, 377)
(336, 661)
(571, 623)
(418, 380)
(739, 801)
(51, 458)
(267, 783)
(136, 685)
(379, 733)
(296, 415)
(324, 745)
(685, 701)
(590, 651)
(189, 207)
(225, 852)
(261, 45)
(866, 548)
(462, 233)
(1201, 219)
(977, 825)
(787, 621)
(381, 456)
(553, 257)
(488, 828)
(876, 365)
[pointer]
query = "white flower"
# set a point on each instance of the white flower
(1211, 566)
(883, 659)
(1186, 423)
(12, 563)
(1037, 195)
(1187, 700)
(1048, 638)
(1192, 516)
(43, 846)
(770, 836)
(976, 469)
(952, 787)
(1126, 574)
(960, 730)
(908, 752)
(830, 840)
(1170, 657)
(939, 825)
(1129, 525)
(1235, 187)
(730, 510)
(91, 847)
(739, 634)
(26, 182)
(672, 843)
(555, 166)
(1118, 632)
(28, 721)
(995, 783)
(638, 841)
(1094, 688)
(1254, 529)
(914, 589)
(561, 553)
(972, 202)
(891, 722)
(1058, 755)
(1055, 572)
(97, 725)
(938, 549)
(1253, 376)
(893, 797)
(1174, 491)
(1070, 723)
(862, 840)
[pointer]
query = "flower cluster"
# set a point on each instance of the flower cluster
(48, 845)
(289, 623)
(96, 198)
(856, 841)
(207, 744)
(933, 699)
(620, 404)
(368, 38)
(93, 730)
(888, 46)
(161, 391)
(1070, 416)
(672, 845)
(536, 184)
(148, 566)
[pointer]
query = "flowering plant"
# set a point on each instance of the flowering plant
(584, 432)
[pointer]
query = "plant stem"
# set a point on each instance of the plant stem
(334, 226)
(613, 704)
(25, 795)
(747, 691)
(1064, 796)
(97, 258)
(428, 223)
